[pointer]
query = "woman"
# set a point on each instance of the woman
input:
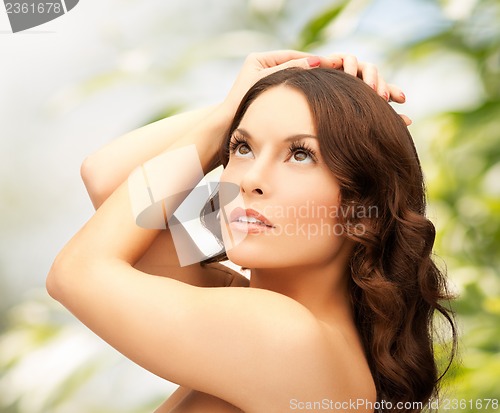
(329, 218)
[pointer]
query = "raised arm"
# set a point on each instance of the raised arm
(103, 171)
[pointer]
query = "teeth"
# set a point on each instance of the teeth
(251, 220)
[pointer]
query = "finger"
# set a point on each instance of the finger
(268, 60)
(278, 57)
(396, 94)
(336, 60)
(309, 62)
(383, 89)
(406, 119)
(330, 62)
(368, 72)
(350, 64)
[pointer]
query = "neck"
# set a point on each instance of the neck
(323, 291)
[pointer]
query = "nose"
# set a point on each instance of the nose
(255, 181)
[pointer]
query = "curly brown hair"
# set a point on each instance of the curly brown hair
(396, 288)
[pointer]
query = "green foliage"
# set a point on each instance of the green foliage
(313, 33)
(465, 189)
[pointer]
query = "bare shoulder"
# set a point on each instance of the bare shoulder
(302, 357)
(345, 356)
(313, 365)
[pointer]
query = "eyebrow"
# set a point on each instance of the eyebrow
(297, 137)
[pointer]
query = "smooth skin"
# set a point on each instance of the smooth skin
(229, 349)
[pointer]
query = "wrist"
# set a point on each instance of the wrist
(225, 111)
(207, 135)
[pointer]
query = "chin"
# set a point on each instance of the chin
(258, 256)
(254, 258)
(246, 259)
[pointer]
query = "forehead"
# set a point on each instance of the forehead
(279, 111)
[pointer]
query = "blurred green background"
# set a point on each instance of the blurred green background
(107, 67)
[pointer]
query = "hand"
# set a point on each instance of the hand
(368, 72)
(260, 65)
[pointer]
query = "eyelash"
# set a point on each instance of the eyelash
(235, 142)
(296, 146)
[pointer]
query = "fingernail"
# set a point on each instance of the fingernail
(374, 87)
(386, 96)
(402, 96)
(313, 61)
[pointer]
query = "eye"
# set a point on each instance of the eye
(300, 153)
(243, 150)
(301, 157)
(239, 147)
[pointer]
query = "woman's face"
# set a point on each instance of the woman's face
(287, 208)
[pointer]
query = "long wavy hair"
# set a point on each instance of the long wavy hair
(395, 287)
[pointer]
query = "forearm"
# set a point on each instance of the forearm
(104, 170)
(112, 234)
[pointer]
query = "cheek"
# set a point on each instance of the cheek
(229, 199)
(312, 199)
(312, 238)
(232, 173)
(312, 209)
(314, 217)
(229, 188)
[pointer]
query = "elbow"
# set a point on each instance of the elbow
(92, 178)
(62, 277)
(53, 282)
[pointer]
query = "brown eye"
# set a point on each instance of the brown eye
(300, 153)
(243, 149)
(300, 156)
(239, 148)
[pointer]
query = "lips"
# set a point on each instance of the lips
(249, 217)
